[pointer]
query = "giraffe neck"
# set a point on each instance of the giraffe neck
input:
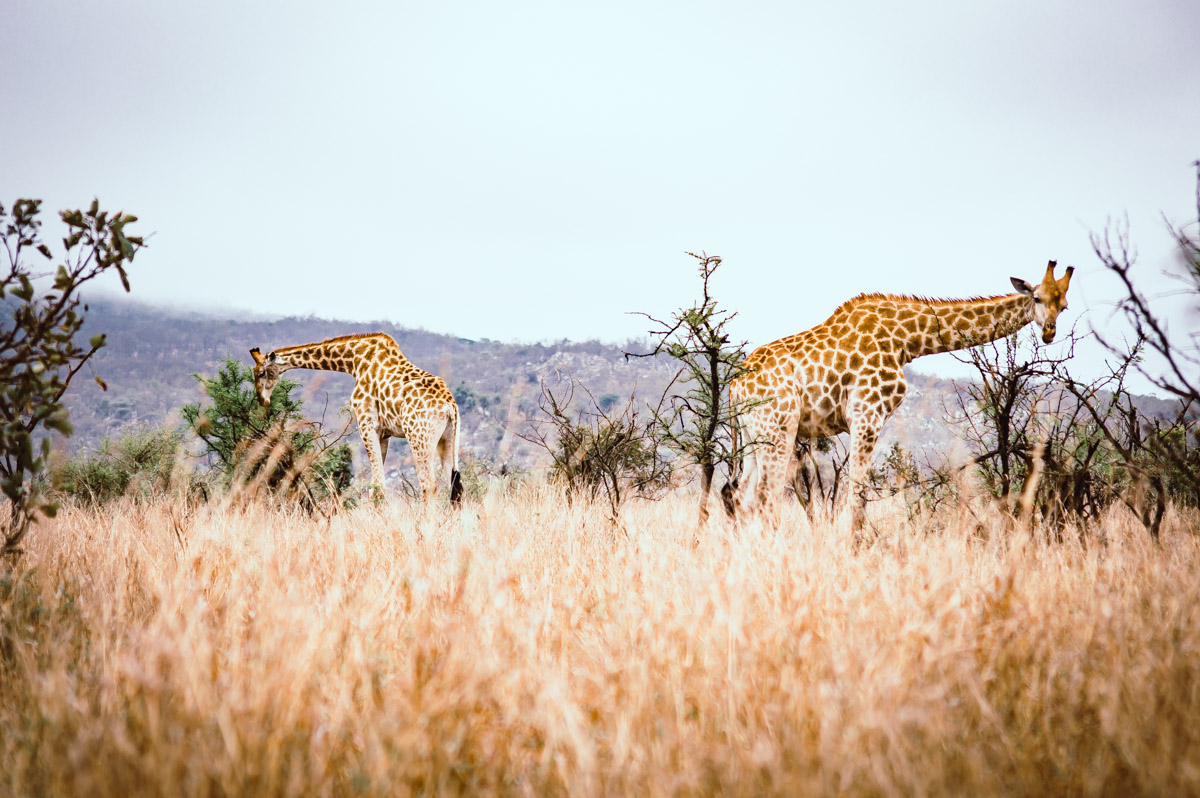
(962, 323)
(332, 355)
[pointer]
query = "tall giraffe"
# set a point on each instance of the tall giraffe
(846, 374)
(392, 398)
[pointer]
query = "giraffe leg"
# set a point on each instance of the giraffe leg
(864, 433)
(742, 490)
(372, 439)
(772, 464)
(773, 457)
(449, 461)
(423, 453)
(384, 440)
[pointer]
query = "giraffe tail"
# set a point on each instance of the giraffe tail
(456, 483)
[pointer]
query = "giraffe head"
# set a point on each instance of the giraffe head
(1049, 298)
(266, 374)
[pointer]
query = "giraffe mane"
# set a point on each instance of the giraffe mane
(339, 339)
(914, 299)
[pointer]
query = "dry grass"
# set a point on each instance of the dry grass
(526, 649)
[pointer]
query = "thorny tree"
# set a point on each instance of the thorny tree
(698, 421)
(38, 353)
(1051, 448)
(1173, 364)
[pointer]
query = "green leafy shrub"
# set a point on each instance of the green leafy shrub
(271, 447)
(141, 462)
(39, 351)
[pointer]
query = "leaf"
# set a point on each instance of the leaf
(101, 383)
(97, 341)
(45, 250)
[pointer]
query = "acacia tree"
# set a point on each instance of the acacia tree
(39, 355)
(698, 420)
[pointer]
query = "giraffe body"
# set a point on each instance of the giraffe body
(392, 398)
(846, 374)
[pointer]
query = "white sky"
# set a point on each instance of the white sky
(534, 171)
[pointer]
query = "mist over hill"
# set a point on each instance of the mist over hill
(153, 353)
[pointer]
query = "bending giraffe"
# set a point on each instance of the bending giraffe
(392, 398)
(846, 375)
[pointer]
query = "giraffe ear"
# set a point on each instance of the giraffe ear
(257, 355)
(1022, 286)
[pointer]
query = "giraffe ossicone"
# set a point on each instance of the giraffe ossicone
(392, 398)
(846, 375)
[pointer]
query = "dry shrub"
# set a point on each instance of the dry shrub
(519, 648)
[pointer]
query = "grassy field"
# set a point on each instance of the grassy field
(526, 648)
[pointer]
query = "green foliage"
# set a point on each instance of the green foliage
(897, 472)
(480, 476)
(331, 473)
(39, 354)
(273, 445)
(469, 400)
(141, 462)
(235, 418)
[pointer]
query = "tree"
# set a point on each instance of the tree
(699, 422)
(39, 355)
(271, 445)
(1052, 448)
(1174, 362)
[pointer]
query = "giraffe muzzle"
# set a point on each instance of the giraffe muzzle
(1048, 334)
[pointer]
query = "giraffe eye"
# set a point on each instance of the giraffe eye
(1037, 300)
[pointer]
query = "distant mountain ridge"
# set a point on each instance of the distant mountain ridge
(153, 352)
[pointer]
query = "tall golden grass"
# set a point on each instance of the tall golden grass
(525, 647)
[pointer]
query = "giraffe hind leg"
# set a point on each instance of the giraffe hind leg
(740, 495)
(449, 458)
(426, 470)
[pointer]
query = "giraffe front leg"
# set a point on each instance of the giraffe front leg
(375, 444)
(864, 434)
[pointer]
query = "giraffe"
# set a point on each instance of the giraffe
(392, 398)
(846, 375)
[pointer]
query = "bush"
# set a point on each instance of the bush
(601, 455)
(141, 462)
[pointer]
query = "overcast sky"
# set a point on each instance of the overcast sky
(535, 171)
